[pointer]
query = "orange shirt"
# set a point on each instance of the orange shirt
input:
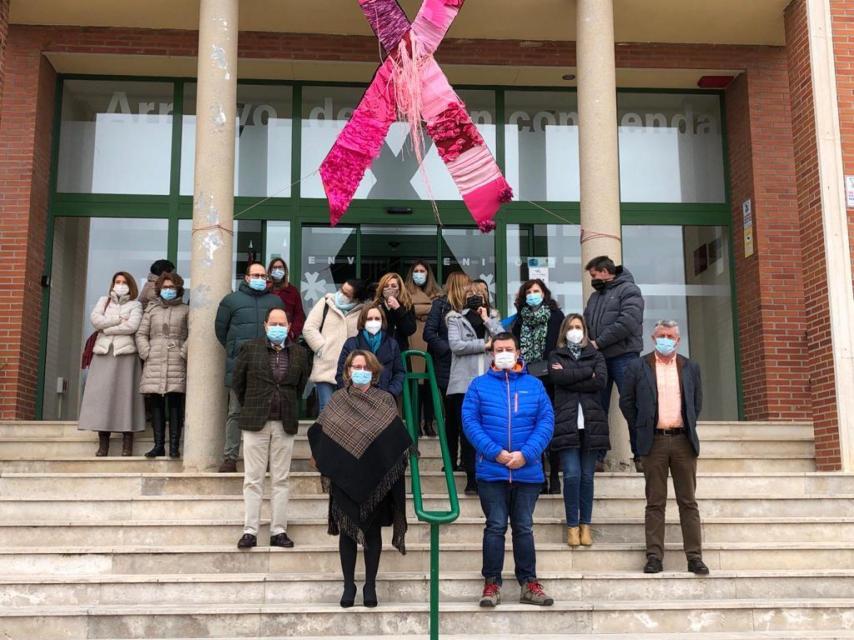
(669, 394)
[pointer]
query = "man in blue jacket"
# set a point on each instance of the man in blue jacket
(508, 418)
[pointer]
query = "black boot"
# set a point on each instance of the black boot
(176, 424)
(554, 483)
(127, 444)
(428, 430)
(158, 425)
(103, 444)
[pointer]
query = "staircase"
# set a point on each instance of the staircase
(133, 548)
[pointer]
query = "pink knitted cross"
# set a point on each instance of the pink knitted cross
(411, 82)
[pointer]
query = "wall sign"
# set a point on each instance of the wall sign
(747, 211)
(849, 191)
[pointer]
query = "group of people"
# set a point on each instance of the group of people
(516, 395)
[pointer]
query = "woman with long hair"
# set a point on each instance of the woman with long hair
(289, 294)
(423, 289)
(395, 301)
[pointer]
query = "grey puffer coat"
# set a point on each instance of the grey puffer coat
(614, 316)
(470, 358)
(162, 344)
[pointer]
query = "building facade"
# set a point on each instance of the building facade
(711, 152)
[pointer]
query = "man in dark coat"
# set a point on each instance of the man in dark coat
(614, 317)
(269, 377)
(662, 398)
(240, 318)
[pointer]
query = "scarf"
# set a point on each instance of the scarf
(360, 446)
(374, 342)
(574, 350)
(476, 323)
(535, 324)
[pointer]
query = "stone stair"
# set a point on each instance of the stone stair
(133, 548)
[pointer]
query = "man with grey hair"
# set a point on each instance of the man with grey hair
(661, 399)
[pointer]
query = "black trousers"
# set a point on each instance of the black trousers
(458, 444)
(348, 551)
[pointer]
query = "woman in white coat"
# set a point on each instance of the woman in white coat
(112, 402)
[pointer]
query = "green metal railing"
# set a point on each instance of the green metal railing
(411, 415)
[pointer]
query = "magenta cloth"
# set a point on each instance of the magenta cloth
(458, 142)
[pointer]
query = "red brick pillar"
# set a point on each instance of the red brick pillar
(26, 117)
(769, 283)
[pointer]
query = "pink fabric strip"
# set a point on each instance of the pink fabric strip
(388, 21)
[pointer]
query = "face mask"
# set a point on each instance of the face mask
(598, 284)
(505, 360)
(258, 284)
(278, 274)
(361, 377)
(665, 346)
(473, 302)
(121, 289)
(168, 294)
(574, 336)
(277, 334)
(343, 302)
(390, 292)
(534, 299)
(419, 278)
(373, 326)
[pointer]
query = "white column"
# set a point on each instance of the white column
(213, 210)
(834, 220)
(599, 164)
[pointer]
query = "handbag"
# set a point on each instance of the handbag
(89, 347)
(539, 368)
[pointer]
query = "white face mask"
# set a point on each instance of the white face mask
(121, 289)
(574, 336)
(505, 360)
(373, 326)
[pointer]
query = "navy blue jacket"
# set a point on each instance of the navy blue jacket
(436, 337)
(614, 316)
(508, 410)
(392, 376)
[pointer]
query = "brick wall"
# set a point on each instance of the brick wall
(4, 34)
(842, 13)
(769, 290)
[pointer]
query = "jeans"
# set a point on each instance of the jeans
(232, 427)
(617, 373)
(514, 501)
(578, 467)
(324, 394)
(270, 444)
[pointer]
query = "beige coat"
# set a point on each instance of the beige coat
(148, 293)
(421, 304)
(162, 344)
(327, 345)
(116, 320)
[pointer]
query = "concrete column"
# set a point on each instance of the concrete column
(834, 218)
(599, 163)
(213, 210)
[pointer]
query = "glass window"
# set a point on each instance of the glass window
(86, 253)
(671, 148)
(541, 145)
(246, 247)
(471, 251)
(555, 252)
(684, 275)
(264, 138)
(394, 175)
(278, 242)
(328, 260)
(394, 249)
(115, 137)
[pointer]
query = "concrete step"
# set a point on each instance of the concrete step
(322, 557)
(98, 485)
(400, 620)
(293, 588)
(548, 530)
(730, 635)
(230, 507)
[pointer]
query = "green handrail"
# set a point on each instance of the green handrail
(433, 518)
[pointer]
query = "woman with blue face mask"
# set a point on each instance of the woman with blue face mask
(373, 336)
(423, 290)
(361, 446)
(289, 294)
(162, 344)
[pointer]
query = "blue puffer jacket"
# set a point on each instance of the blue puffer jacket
(508, 410)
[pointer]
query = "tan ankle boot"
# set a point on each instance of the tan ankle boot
(586, 535)
(573, 536)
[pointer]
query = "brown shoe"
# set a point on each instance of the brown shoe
(586, 536)
(532, 593)
(103, 444)
(229, 465)
(638, 465)
(573, 536)
(127, 444)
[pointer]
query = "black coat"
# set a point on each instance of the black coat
(579, 382)
(552, 333)
(393, 373)
(614, 316)
(639, 399)
(401, 325)
(254, 385)
(436, 337)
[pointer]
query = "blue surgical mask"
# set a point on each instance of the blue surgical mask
(361, 376)
(278, 274)
(343, 302)
(168, 294)
(534, 299)
(419, 278)
(277, 334)
(665, 346)
(258, 284)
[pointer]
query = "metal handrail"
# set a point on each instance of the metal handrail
(433, 518)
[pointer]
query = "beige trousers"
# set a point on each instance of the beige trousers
(274, 445)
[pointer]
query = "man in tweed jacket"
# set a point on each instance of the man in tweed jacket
(269, 377)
